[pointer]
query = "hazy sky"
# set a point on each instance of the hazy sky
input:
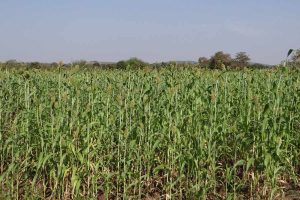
(153, 30)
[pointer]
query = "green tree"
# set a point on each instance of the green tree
(80, 63)
(220, 60)
(241, 60)
(35, 65)
(132, 63)
(121, 64)
(203, 62)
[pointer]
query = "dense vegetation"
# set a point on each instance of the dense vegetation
(219, 60)
(149, 133)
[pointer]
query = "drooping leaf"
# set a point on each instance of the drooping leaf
(289, 52)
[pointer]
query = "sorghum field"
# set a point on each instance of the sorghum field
(149, 134)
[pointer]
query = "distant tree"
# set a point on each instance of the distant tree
(241, 60)
(136, 63)
(34, 65)
(96, 64)
(220, 60)
(164, 64)
(258, 66)
(80, 63)
(203, 62)
(54, 64)
(173, 64)
(121, 64)
(13, 61)
(132, 63)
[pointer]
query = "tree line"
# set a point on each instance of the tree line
(221, 60)
(218, 61)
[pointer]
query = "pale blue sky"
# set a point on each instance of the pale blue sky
(153, 30)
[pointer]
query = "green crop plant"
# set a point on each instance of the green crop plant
(141, 134)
